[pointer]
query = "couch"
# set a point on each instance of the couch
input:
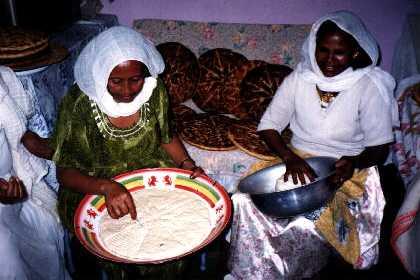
(273, 43)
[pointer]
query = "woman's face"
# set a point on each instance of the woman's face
(334, 53)
(126, 81)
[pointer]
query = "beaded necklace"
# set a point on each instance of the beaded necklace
(111, 132)
(326, 98)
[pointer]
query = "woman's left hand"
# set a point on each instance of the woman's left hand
(344, 168)
(196, 170)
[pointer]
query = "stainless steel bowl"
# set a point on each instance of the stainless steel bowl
(283, 204)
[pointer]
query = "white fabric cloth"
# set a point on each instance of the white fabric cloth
(406, 58)
(268, 248)
(264, 247)
(226, 167)
(357, 118)
(361, 115)
(405, 238)
(28, 168)
(406, 149)
(350, 23)
(108, 49)
(31, 234)
(5, 155)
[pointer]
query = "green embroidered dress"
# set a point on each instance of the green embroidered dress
(85, 139)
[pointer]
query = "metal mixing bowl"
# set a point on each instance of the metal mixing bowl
(283, 204)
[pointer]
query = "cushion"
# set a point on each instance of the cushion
(216, 67)
(181, 71)
(274, 43)
(259, 86)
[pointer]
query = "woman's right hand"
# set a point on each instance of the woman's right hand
(118, 199)
(12, 191)
(298, 168)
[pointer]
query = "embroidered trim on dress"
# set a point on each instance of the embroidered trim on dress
(111, 132)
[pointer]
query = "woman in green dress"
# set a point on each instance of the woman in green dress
(113, 120)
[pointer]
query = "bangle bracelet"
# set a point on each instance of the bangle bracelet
(181, 164)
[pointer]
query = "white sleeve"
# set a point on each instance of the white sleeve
(375, 118)
(279, 112)
(23, 99)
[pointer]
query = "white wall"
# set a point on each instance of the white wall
(384, 18)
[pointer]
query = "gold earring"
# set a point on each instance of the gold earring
(356, 54)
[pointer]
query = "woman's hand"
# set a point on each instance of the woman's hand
(189, 164)
(298, 168)
(344, 168)
(179, 155)
(119, 201)
(295, 166)
(37, 145)
(12, 191)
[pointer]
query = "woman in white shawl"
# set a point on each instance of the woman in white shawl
(31, 235)
(338, 104)
(113, 120)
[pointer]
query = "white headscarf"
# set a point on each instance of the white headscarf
(350, 23)
(110, 48)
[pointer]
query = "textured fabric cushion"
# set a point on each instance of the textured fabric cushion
(216, 67)
(259, 86)
(274, 43)
(181, 71)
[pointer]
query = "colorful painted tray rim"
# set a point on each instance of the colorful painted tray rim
(205, 187)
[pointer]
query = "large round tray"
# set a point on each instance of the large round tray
(92, 208)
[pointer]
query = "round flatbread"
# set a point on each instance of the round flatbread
(231, 97)
(208, 132)
(17, 42)
(216, 68)
(181, 114)
(244, 135)
(259, 86)
(181, 71)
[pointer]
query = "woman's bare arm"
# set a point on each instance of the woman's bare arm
(371, 156)
(295, 165)
(118, 200)
(37, 145)
(176, 150)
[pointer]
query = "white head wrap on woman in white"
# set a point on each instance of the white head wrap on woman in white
(350, 23)
(110, 48)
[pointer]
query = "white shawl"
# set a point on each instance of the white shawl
(102, 54)
(308, 69)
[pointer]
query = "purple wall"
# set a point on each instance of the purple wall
(384, 18)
